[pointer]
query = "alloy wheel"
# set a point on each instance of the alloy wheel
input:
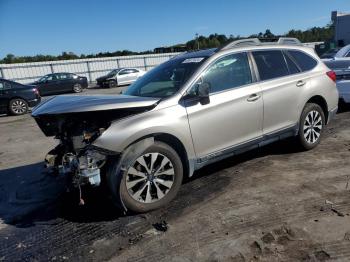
(77, 88)
(150, 178)
(19, 107)
(312, 126)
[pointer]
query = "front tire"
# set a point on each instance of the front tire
(150, 180)
(312, 122)
(77, 88)
(112, 83)
(18, 107)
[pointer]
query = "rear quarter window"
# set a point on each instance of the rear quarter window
(304, 61)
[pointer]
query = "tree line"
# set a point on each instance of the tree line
(313, 34)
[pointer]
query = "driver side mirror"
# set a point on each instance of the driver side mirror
(203, 90)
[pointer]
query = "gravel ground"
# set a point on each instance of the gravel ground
(270, 204)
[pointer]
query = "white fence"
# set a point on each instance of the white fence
(92, 68)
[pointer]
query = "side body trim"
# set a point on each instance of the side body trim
(246, 146)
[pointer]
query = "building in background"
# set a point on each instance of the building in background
(341, 23)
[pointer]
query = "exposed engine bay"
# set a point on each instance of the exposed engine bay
(75, 156)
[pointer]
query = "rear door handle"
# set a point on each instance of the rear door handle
(253, 98)
(300, 83)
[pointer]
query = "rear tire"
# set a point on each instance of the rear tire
(150, 180)
(312, 122)
(18, 107)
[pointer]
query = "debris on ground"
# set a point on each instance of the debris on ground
(135, 239)
(337, 212)
(347, 236)
(322, 255)
(268, 238)
(161, 226)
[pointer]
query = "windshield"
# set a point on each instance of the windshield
(113, 72)
(43, 79)
(166, 79)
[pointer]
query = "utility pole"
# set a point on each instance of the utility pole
(197, 41)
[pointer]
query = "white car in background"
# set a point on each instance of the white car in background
(120, 76)
(340, 64)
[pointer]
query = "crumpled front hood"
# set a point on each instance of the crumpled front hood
(85, 103)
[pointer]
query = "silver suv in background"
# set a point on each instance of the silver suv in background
(195, 109)
(120, 76)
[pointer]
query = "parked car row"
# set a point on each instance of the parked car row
(16, 98)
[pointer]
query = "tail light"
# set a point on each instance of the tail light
(36, 91)
(332, 75)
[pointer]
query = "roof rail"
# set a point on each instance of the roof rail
(256, 41)
(242, 42)
(288, 41)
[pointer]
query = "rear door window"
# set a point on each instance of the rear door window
(304, 61)
(271, 64)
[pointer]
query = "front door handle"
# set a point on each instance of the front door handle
(300, 83)
(253, 97)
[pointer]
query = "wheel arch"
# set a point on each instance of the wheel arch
(319, 100)
(15, 97)
(176, 144)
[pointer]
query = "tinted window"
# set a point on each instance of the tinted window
(124, 72)
(228, 72)
(63, 76)
(304, 61)
(348, 55)
(48, 78)
(5, 85)
(133, 71)
(293, 69)
(271, 64)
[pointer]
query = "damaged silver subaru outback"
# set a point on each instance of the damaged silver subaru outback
(195, 109)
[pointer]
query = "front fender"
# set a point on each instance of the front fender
(171, 120)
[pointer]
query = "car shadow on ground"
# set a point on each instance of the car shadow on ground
(29, 194)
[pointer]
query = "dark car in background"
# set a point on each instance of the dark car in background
(16, 98)
(61, 83)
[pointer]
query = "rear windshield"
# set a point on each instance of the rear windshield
(166, 79)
